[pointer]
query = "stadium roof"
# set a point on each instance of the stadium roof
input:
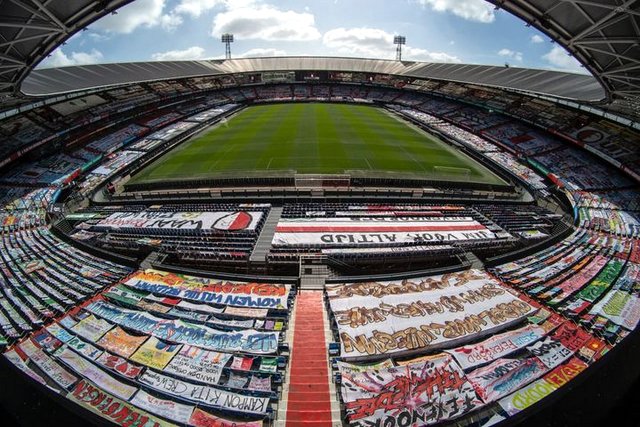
(602, 34)
(56, 80)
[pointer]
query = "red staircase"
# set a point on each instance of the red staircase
(309, 400)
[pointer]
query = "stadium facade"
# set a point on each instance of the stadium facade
(366, 297)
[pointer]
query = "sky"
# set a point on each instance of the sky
(459, 31)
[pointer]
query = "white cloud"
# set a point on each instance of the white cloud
(560, 60)
(511, 54)
(59, 59)
(170, 21)
(472, 10)
(267, 23)
(191, 53)
(536, 39)
(195, 8)
(376, 43)
(140, 13)
(258, 52)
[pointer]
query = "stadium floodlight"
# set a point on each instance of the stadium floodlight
(399, 41)
(227, 39)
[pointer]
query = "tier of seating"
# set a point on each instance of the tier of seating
(163, 346)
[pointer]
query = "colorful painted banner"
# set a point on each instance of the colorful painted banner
(496, 347)
(428, 312)
(92, 328)
(94, 374)
(19, 360)
(212, 291)
(155, 353)
(255, 313)
(196, 363)
(200, 418)
(154, 220)
(622, 308)
(376, 231)
(112, 408)
(119, 364)
(505, 376)
(350, 368)
(208, 395)
(177, 331)
(571, 336)
(602, 282)
(169, 409)
(419, 393)
(119, 342)
(538, 390)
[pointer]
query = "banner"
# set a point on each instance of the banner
(246, 312)
(205, 394)
(160, 220)
(87, 350)
(92, 328)
(428, 312)
(350, 368)
(248, 341)
(620, 307)
(538, 390)
(202, 365)
(119, 342)
(505, 376)
(165, 408)
(375, 231)
(96, 375)
(48, 366)
(155, 353)
(113, 409)
(212, 291)
(119, 364)
(200, 418)
(471, 356)
(419, 393)
(550, 352)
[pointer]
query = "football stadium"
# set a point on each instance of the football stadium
(276, 240)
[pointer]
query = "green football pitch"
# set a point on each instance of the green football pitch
(285, 139)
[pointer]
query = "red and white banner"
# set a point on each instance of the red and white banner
(224, 221)
(374, 231)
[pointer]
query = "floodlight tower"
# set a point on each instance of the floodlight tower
(227, 39)
(399, 41)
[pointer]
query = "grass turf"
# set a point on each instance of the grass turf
(280, 139)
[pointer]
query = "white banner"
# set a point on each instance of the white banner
(225, 221)
(89, 371)
(550, 352)
(208, 395)
(202, 365)
(470, 356)
(372, 231)
(376, 318)
(165, 408)
(505, 376)
(425, 392)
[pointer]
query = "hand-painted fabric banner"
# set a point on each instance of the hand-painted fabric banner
(370, 231)
(48, 366)
(59, 332)
(248, 341)
(538, 390)
(155, 353)
(241, 363)
(505, 376)
(205, 394)
(550, 352)
(87, 350)
(91, 328)
(212, 291)
(496, 347)
(119, 342)
(200, 418)
(246, 312)
(622, 308)
(112, 408)
(169, 409)
(430, 312)
(94, 374)
(268, 364)
(350, 368)
(196, 363)
(19, 360)
(421, 393)
(259, 383)
(160, 220)
(119, 364)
